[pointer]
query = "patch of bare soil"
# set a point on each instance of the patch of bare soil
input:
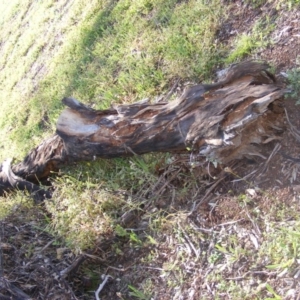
(285, 49)
(242, 18)
(33, 266)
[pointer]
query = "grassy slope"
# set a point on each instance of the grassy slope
(122, 51)
(106, 52)
(34, 37)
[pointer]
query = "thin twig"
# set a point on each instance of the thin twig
(245, 177)
(255, 226)
(293, 130)
(223, 175)
(161, 178)
(101, 286)
(46, 246)
(252, 272)
(119, 269)
(13, 289)
(240, 277)
(275, 150)
(205, 229)
(229, 223)
(167, 182)
(74, 266)
(93, 256)
(170, 93)
(189, 241)
(152, 268)
(126, 269)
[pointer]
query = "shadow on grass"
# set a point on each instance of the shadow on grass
(137, 50)
(126, 51)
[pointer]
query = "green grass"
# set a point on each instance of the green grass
(114, 51)
(33, 44)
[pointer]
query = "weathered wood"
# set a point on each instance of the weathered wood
(207, 119)
(222, 121)
(10, 181)
(42, 160)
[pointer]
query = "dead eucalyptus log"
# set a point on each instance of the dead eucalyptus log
(223, 121)
(212, 120)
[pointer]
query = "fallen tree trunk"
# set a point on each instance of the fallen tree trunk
(222, 121)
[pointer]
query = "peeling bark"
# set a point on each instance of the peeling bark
(222, 121)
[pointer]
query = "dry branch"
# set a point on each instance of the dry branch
(223, 121)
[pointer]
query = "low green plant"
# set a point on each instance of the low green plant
(134, 292)
(215, 256)
(293, 77)
(271, 291)
(282, 246)
(132, 236)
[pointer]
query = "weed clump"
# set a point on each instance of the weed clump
(293, 77)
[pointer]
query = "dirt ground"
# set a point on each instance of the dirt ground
(35, 264)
